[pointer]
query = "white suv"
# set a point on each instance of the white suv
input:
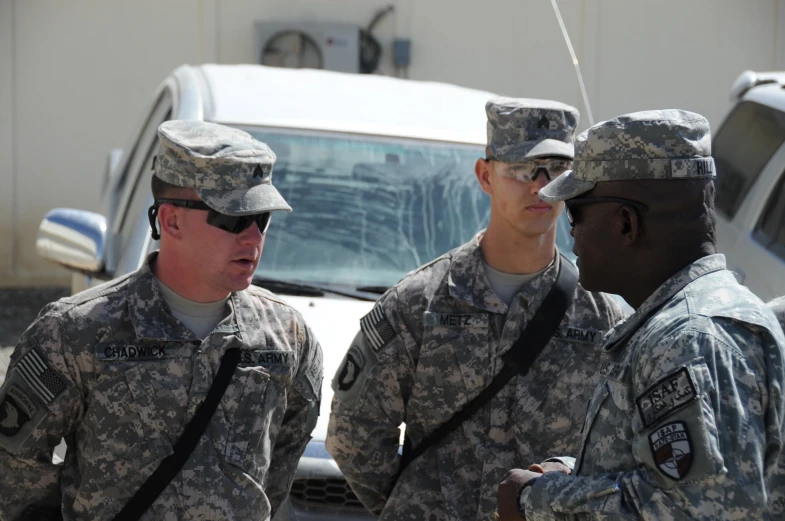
(749, 152)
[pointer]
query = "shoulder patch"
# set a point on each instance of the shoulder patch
(350, 382)
(671, 448)
(352, 366)
(16, 409)
(41, 378)
(666, 396)
(377, 329)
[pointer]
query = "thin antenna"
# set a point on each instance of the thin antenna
(574, 61)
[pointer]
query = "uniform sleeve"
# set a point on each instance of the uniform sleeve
(302, 412)
(371, 388)
(700, 421)
(39, 404)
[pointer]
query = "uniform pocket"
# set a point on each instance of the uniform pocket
(254, 417)
(601, 394)
(550, 402)
(439, 390)
(125, 424)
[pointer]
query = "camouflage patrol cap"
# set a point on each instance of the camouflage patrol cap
(521, 128)
(653, 144)
(229, 169)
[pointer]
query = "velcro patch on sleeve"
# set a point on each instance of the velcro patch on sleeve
(671, 449)
(613, 370)
(21, 412)
(668, 395)
(350, 382)
(41, 378)
(377, 329)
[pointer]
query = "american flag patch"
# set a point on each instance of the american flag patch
(377, 328)
(41, 379)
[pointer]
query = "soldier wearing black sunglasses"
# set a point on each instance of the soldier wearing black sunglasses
(228, 223)
(128, 372)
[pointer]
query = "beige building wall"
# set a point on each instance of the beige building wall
(76, 76)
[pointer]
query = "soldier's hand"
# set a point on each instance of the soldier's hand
(550, 466)
(509, 490)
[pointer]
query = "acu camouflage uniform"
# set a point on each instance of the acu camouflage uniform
(435, 341)
(687, 420)
(118, 376)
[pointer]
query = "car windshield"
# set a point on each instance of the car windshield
(369, 209)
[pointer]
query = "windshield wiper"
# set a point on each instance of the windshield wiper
(379, 290)
(303, 289)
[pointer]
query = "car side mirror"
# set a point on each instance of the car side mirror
(73, 238)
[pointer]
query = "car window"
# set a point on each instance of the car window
(128, 180)
(140, 197)
(742, 147)
(368, 209)
(770, 230)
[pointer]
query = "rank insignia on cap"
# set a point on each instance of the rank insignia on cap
(42, 380)
(672, 449)
(377, 328)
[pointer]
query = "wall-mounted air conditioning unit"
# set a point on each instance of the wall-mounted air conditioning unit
(334, 47)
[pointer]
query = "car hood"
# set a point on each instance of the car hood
(335, 322)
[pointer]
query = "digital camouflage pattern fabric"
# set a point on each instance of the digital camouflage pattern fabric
(776, 507)
(431, 344)
(230, 170)
(114, 373)
(687, 421)
(653, 144)
(521, 129)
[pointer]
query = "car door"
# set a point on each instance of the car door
(750, 157)
(765, 261)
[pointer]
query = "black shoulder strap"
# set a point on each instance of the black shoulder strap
(517, 360)
(171, 465)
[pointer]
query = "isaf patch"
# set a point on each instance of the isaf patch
(377, 329)
(666, 396)
(671, 448)
(41, 378)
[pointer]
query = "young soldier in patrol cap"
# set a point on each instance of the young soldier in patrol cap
(121, 369)
(688, 423)
(436, 340)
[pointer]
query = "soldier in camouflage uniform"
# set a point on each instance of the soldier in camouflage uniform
(435, 341)
(119, 370)
(687, 422)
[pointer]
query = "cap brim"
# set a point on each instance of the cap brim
(244, 201)
(564, 187)
(551, 147)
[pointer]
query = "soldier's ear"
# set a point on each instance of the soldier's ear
(628, 224)
(483, 170)
(170, 221)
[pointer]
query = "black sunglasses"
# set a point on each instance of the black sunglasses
(228, 223)
(571, 203)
